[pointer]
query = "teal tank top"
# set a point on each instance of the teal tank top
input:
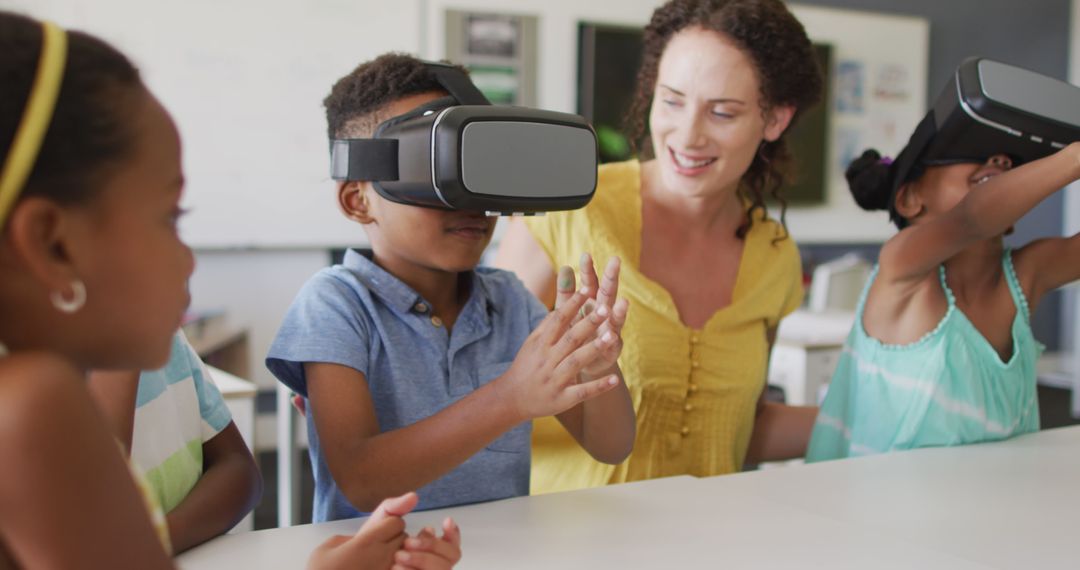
(948, 388)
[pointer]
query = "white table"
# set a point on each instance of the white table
(1003, 505)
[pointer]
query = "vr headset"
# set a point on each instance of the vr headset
(463, 153)
(992, 108)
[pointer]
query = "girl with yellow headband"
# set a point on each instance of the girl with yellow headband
(94, 275)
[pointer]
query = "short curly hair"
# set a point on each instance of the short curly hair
(783, 58)
(357, 102)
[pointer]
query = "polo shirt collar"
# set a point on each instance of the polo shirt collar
(400, 297)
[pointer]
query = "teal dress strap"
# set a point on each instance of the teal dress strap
(1015, 289)
(945, 287)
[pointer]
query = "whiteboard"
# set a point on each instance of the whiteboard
(244, 81)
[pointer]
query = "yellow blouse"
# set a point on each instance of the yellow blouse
(695, 391)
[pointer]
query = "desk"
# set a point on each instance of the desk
(1000, 505)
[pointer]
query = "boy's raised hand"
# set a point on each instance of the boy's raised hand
(373, 546)
(544, 377)
(603, 293)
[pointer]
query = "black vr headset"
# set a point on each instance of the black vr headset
(992, 108)
(463, 153)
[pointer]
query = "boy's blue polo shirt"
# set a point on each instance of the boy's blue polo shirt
(358, 315)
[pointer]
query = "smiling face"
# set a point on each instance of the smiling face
(707, 117)
(941, 188)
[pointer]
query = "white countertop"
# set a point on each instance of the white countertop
(1012, 504)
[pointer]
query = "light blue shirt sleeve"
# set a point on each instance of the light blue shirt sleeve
(212, 408)
(324, 324)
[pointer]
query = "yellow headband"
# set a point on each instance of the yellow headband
(36, 117)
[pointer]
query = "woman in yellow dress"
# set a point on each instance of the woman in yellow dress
(707, 273)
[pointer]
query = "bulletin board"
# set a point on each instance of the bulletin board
(879, 84)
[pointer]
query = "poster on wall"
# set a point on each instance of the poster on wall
(849, 87)
(499, 50)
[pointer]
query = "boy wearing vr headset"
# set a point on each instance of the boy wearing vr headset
(421, 370)
(942, 351)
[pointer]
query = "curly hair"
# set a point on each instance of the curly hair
(357, 102)
(783, 59)
(90, 129)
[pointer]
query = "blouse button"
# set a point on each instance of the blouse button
(420, 308)
(693, 388)
(695, 364)
(694, 339)
(685, 431)
(688, 407)
(436, 321)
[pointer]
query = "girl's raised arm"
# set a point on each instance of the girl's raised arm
(987, 212)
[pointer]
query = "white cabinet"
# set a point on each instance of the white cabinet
(808, 346)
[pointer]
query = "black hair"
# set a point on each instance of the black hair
(873, 183)
(357, 102)
(89, 131)
(787, 69)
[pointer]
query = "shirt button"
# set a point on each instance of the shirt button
(685, 431)
(693, 388)
(420, 308)
(688, 407)
(436, 321)
(694, 364)
(693, 339)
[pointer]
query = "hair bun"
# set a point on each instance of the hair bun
(869, 178)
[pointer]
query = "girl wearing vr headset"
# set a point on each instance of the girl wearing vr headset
(709, 273)
(94, 276)
(942, 351)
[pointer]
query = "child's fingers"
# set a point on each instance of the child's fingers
(578, 393)
(618, 315)
(583, 357)
(564, 288)
(588, 272)
(434, 545)
(395, 506)
(558, 321)
(421, 560)
(374, 531)
(608, 287)
(578, 335)
(451, 532)
(335, 541)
